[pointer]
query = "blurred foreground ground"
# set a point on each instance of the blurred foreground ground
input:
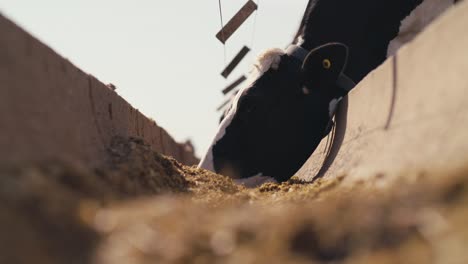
(147, 208)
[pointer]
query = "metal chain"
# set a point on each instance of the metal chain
(222, 29)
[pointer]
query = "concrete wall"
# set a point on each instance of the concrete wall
(409, 114)
(51, 109)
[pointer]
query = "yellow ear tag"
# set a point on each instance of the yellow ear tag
(326, 64)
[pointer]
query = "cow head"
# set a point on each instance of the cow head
(277, 121)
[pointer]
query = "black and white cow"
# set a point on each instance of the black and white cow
(278, 119)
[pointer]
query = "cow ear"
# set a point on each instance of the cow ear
(323, 65)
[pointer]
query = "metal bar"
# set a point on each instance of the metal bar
(223, 104)
(233, 64)
(234, 84)
(236, 21)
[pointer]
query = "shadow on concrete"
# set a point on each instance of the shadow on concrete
(335, 139)
(394, 92)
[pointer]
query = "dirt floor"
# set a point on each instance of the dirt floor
(148, 208)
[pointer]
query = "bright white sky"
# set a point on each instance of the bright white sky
(162, 55)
